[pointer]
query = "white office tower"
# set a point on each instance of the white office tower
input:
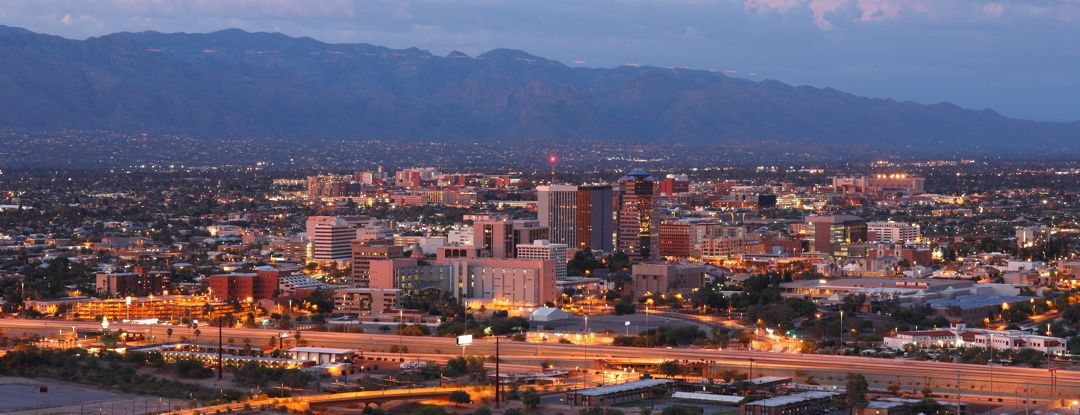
(543, 249)
(890, 231)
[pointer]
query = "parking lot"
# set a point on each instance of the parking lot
(25, 396)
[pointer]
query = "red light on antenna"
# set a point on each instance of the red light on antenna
(552, 159)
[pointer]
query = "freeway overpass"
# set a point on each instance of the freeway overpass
(941, 377)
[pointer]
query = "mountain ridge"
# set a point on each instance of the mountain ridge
(233, 83)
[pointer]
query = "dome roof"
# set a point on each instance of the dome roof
(638, 174)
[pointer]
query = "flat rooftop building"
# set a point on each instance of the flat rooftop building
(616, 394)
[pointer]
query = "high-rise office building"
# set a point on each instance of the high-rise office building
(557, 207)
(321, 186)
(638, 216)
(501, 237)
(826, 233)
(595, 218)
(578, 216)
(362, 257)
(330, 238)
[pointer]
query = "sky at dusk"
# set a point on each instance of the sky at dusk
(1020, 58)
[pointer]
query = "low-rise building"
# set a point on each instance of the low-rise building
(140, 282)
(620, 393)
(245, 286)
(321, 355)
(666, 278)
(958, 335)
(816, 402)
(365, 301)
(293, 282)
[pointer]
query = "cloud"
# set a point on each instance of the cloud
(84, 19)
(402, 11)
(871, 10)
(994, 9)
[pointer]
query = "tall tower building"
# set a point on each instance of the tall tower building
(577, 216)
(330, 238)
(557, 207)
(362, 257)
(595, 221)
(638, 215)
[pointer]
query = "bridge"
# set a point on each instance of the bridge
(378, 397)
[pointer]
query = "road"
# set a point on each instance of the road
(1009, 381)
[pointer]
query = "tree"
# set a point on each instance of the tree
(954, 311)
(251, 374)
(1071, 313)
(857, 388)
(460, 397)
(295, 378)
(894, 388)
(852, 303)
(670, 368)
(168, 333)
(530, 399)
(430, 410)
(675, 410)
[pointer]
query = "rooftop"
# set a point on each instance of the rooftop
(320, 350)
(770, 379)
(790, 399)
(975, 301)
(624, 387)
(698, 396)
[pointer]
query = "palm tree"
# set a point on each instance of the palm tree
(197, 333)
(169, 334)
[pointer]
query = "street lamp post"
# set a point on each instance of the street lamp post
(751, 369)
(401, 330)
(220, 362)
(646, 326)
(991, 362)
(842, 328)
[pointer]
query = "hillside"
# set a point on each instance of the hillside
(237, 84)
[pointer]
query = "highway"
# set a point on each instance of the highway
(1006, 380)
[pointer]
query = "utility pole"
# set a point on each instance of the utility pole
(220, 362)
(498, 385)
(1027, 398)
(991, 362)
(957, 391)
(401, 330)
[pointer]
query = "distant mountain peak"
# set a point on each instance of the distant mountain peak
(235, 83)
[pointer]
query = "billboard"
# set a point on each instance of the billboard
(464, 340)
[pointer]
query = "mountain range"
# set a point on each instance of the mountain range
(233, 83)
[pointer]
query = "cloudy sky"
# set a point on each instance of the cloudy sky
(1018, 57)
